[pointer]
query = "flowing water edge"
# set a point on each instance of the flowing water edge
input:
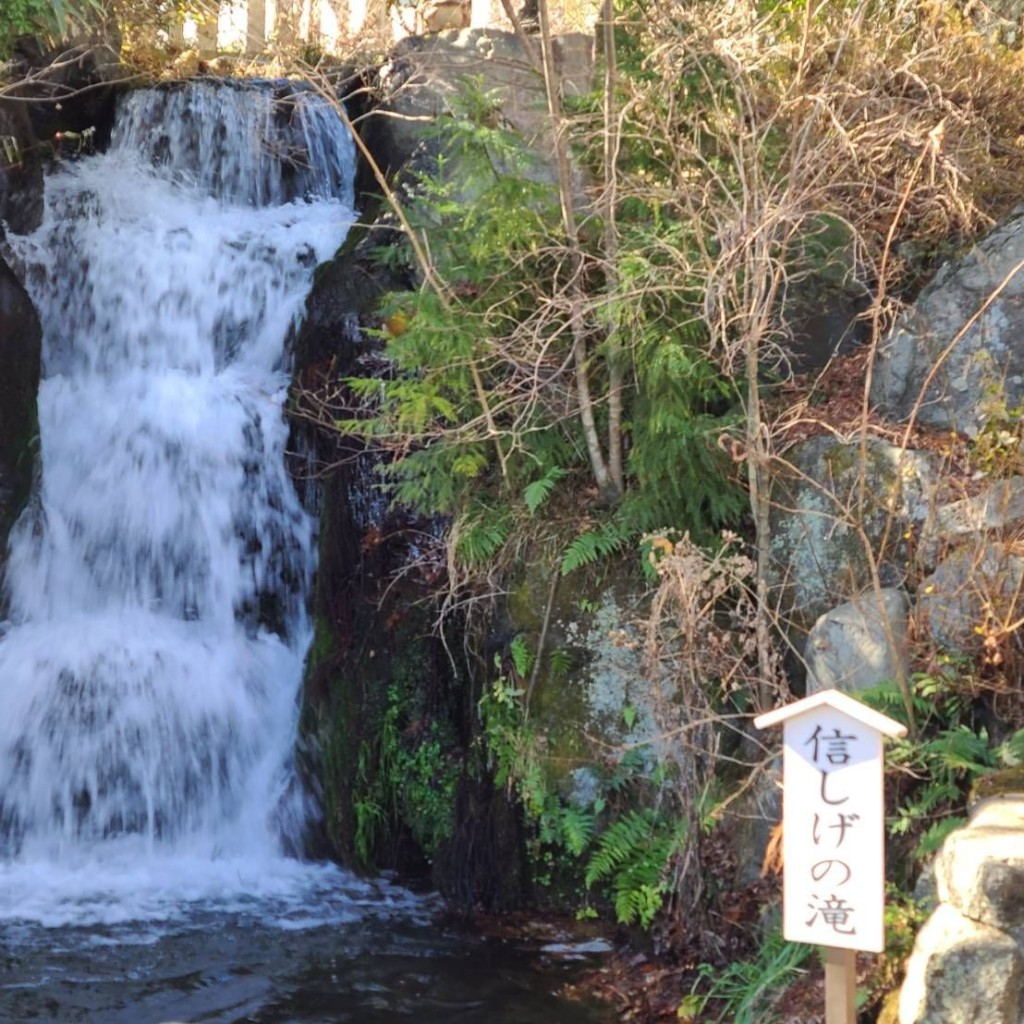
(287, 943)
(157, 585)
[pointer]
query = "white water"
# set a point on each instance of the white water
(150, 669)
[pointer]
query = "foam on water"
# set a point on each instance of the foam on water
(157, 584)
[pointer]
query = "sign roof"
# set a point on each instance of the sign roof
(838, 701)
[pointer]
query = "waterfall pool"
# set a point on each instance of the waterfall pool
(280, 944)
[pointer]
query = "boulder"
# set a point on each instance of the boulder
(425, 73)
(837, 518)
(860, 643)
(967, 966)
(997, 508)
(71, 89)
(977, 586)
(962, 972)
(970, 379)
(980, 869)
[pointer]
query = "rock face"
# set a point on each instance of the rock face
(968, 961)
(21, 171)
(424, 74)
(956, 359)
(954, 570)
(834, 523)
(379, 570)
(75, 90)
(978, 586)
(20, 338)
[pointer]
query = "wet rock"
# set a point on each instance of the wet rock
(21, 171)
(20, 338)
(71, 89)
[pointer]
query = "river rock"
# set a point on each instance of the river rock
(71, 89)
(981, 376)
(826, 541)
(978, 583)
(962, 972)
(860, 643)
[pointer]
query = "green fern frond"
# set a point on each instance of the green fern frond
(577, 829)
(619, 843)
(594, 545)
(935, 835)
(540, 490)
(479, 539)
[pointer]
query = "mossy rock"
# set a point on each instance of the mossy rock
(1007, 782)
(890, 1011)
(590, 679)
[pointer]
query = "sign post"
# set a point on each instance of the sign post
(833, 834)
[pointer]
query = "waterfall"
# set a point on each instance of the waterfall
(157, 584)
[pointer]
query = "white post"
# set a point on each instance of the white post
(208, 28)
(255, 26)
(480, 13)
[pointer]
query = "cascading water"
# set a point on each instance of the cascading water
(150, 669)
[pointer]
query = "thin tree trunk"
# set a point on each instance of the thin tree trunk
(616, 374)
(608, 487)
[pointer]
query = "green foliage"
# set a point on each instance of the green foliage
(52, 19)
(539, 491)
(745, 992)
(482, 413)
(594, 545)
(996, 451)
(480, 535)
(632, 854)
(621, 844)
(934, 772)
(405, 777)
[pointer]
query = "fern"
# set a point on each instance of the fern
(594, 545)
(559, 663)
(540, 490)
(479, 539)
(577, 829)
(935, 835)
(522, 657)
(961, 750)
(633, 855)
(1011, 751)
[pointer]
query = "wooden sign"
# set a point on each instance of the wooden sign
(833, 818)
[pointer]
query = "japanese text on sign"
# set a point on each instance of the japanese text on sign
(833, 831)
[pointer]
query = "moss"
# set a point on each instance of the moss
(1005, 782)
